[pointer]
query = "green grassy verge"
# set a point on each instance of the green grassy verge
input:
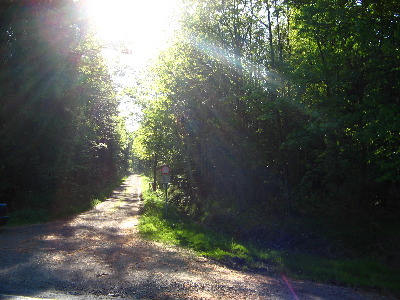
(87, 201)
(174, 229)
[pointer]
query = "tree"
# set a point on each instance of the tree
(345, 61)
(58, 118)
(286, 107)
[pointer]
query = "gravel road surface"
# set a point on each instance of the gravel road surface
(99, 255)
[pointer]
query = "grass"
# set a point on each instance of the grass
(354, 272)
(31, 216)
(177, 230)
(28, 217)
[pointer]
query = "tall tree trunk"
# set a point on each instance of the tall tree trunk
(284, 164)
(278, 29)
(270, 36)
(189, 170)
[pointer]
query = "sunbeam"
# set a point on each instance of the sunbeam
(227, 57)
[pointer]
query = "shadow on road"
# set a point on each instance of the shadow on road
(100, 253)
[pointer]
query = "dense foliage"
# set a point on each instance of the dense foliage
(282, 108)
(172, 227)
(60, 134)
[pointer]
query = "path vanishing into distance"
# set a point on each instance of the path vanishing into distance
(100, 255)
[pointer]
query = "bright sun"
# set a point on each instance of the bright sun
(132, 33)
(144, 26)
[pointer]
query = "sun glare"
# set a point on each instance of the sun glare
(132, 32)
(139, 27)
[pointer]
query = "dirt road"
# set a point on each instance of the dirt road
(99, 255)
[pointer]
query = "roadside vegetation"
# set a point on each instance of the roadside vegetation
(62, 142)
(175, 228)
(86, 202)
(279, 120)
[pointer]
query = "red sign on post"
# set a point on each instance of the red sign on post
(165, 170)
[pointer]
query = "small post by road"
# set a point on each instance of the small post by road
(166, 197)
(165, 180)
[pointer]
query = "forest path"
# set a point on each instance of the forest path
(99, 255)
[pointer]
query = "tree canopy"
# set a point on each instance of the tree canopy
(281, 107)
(60, 133)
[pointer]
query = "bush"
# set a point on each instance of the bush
(28, 216)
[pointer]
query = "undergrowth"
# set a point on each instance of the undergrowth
(173, 228)
(84, 202)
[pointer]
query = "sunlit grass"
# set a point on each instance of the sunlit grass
(173, 229)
